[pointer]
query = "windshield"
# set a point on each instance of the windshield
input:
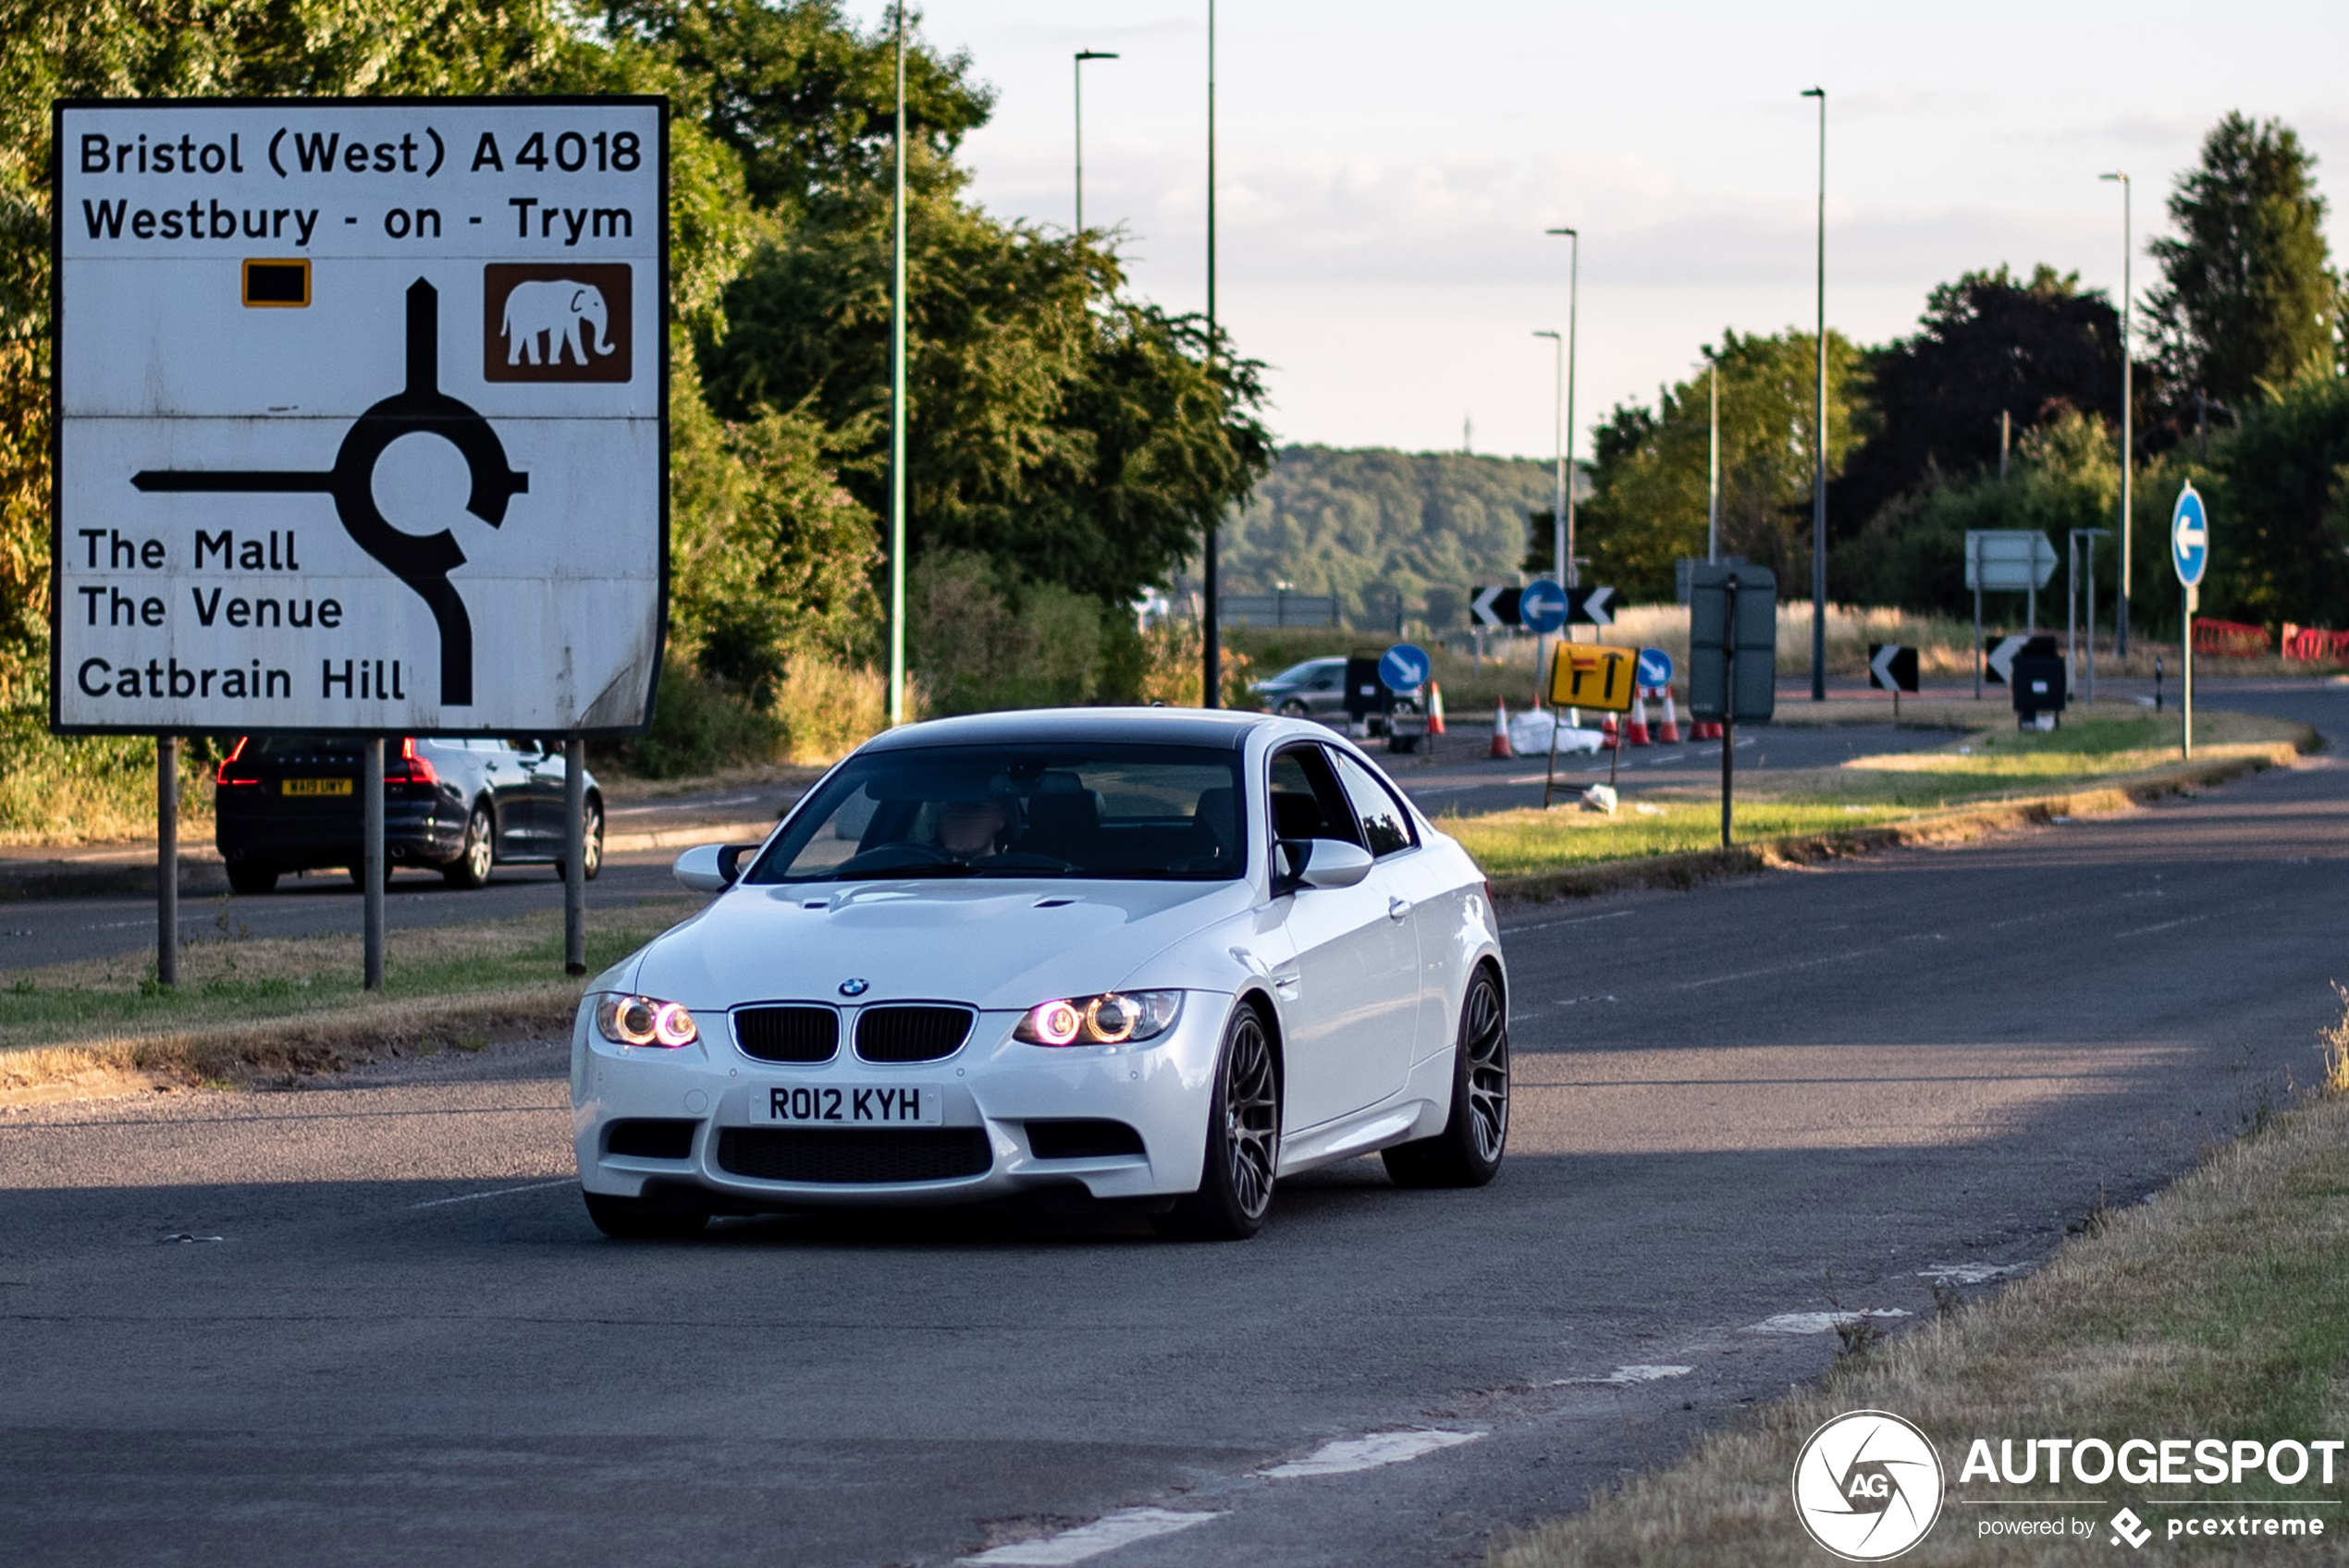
(1120, 812)
(1297, 674)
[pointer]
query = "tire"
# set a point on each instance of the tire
(1243, 1141)
(635, 1219)
(479, 851)
(592, 853)
(1293, 708)
(249, 877)
(1468, 1152)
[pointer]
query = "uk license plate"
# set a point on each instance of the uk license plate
(850, 1105)
(315, 786)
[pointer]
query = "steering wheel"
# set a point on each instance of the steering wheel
(1023, 859)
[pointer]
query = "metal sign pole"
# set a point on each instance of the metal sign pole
(2193, 597)
(168, 860)
(574, 856)
(2090, 587)
(371, 860)
(2072, 605)
(1729, 703)
(1975, 545)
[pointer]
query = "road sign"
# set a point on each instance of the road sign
(1892, 668)
(1404, 667)
(1585, 675)
(1655, 669)
(1541, 605)
(361, 413)
(1589, 607)
(1999, 661)
(2189, 536)
(1495, 606)
(2007, 559)
(1754, 643)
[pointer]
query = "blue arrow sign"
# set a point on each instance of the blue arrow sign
(1404, 667)
(1656, 668)
(2189, 536)
(1542, 607)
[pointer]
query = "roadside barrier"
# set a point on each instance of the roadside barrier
(1501, 750)
(1669, 730)
(2314, 644)
(2229, 639)
(1635, 730)
(1611, 739)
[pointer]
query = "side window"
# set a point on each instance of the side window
(1307, 801)
(1386, 826)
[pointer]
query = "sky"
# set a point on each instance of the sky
(1384, 172)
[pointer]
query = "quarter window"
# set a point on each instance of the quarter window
(1386, 826)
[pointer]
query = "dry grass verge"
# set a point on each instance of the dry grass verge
(2213, 1310)
(251, 1010)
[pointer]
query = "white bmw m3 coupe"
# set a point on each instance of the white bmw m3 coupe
(1155, 955)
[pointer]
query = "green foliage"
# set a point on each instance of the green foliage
(2065, 474)
(1648, 507)
(700, 726)
(1988, 344)
(980, 643)
(1365, 525)
(2249, 298)
(2278, 502)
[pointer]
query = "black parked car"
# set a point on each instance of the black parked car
(290, 803)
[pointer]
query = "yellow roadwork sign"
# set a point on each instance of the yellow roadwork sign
(1592, 677)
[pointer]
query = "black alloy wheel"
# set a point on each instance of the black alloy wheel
(591, 854)
(470, 868)
(1468, 1152)
(1243, 1153)
(1295, 708)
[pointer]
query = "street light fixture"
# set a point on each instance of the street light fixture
(1562, 519)
(2128, 413)
(897, 407)
(1210, 635)
(1819, 456)
(1078, 70)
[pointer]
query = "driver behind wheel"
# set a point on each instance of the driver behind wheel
(971, 830)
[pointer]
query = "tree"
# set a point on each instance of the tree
(1648, 503)
(1988, 344)
(2248, 297)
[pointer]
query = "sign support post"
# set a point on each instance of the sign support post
(2186, 732)
(168, 860)
(1975, 545)
(371, 860)
(574, 856)
(1729, 703)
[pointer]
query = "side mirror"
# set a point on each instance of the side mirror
(1319, 863)
(710, 868)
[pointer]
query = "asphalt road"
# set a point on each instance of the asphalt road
(1458, 777)
(394, 1337)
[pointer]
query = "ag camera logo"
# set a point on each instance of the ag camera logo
(1867, 1486)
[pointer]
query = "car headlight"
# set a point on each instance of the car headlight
(644, 1021)
(1112, 1018)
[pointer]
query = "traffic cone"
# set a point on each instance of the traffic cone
(1501, 750)
(1635, 733)
(1708, 729)
(1669, 730)
(1434, 708)
(1609, 739)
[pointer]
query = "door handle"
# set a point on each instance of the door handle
(1398, 908)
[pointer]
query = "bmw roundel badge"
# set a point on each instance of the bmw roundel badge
(854, 988)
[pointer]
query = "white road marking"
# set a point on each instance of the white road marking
(1553, 924)
(1636, 1374)
(1972, 1273)
(2149, 930)
(1105, 1534)
(1367, 1453)
(1817, 1322)
(676, 806)
(496, 1193)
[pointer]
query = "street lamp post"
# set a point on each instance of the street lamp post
(1559, 543)
(1078, 70)
(1819, 455)
(1210, 635)
(1713, 466)
(2128, 414)
(897, 407)
(1562, 519)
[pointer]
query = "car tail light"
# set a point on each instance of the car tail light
(223, 774)
(409, 769)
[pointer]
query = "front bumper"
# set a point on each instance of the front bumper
(1161, 1089)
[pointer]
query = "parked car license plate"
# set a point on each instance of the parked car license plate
(315, 786)
(851, 1105)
